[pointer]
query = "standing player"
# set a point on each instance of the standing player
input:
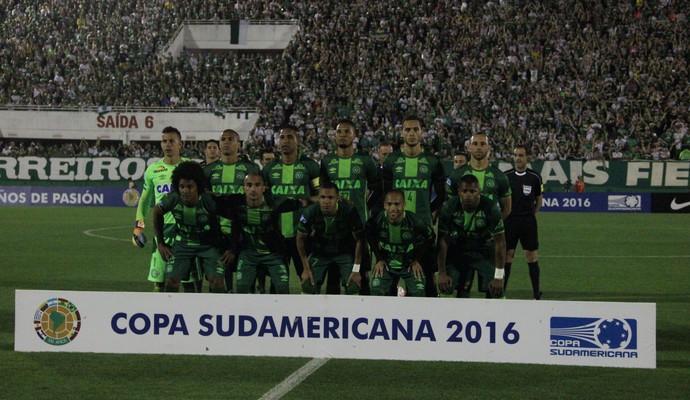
(471, 236)
(267, 155)
(416, 173)
(226, 176)
(211, 152)
(377, 193)
(355, 174)
(521, 224)
(292, 176)
(400, 240)
(332, 229)
(256, 224)
(459, 159)
(157, 183)
(197, 231)
(492, 182)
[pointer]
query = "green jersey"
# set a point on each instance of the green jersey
(157, 183)
(299, 180)
(228, 179)
(416, 177)
(331, 235)
(259, 227)
(195, 226)
(493, 182)
(398, 244)
(470, 230)
(353, 176)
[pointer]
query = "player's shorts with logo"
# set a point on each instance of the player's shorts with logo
(380, 285)
(461, 264)
(186, 257)
(247, 265)
(319, 266)
(157, 267)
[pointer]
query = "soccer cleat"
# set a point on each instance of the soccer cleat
(537, 295)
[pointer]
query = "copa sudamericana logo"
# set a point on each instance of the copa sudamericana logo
(57, 321)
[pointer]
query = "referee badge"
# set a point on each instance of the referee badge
(526, 190)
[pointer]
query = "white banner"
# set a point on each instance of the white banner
(360, 327)
(124, 126)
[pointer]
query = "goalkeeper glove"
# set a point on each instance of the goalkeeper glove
(138, 238)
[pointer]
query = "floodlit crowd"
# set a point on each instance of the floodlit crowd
(597, 79)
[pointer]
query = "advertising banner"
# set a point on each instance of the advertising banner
(68, 196)
(618, 176)
(597, 202)
(671, 203)
(355, 327)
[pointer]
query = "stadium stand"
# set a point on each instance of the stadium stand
(597, 79)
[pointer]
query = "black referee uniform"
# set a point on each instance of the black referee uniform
(521, 224)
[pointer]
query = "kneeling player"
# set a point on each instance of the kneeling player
(399, 239)
(471, 236)
(332, 229)
(197, 230)
(258, 221)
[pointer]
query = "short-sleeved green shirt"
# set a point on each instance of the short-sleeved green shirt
(469, 231)
(353, 176)
(331, 235)
(416, 177)
(259, 227)
(398, 244)
(299, 180)
(228, 179)
(195, 226)
(493, 182)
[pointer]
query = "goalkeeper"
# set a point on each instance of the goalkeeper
(157, 183)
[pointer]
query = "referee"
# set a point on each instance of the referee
(526, 186)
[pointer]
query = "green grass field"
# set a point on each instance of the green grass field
(597, 257)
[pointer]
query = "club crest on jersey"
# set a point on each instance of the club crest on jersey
(356, 169)
(299, 175)
(526, 190)
(424, 169)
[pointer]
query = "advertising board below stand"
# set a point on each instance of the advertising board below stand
(617, 202)
(597, 202)
(673, 203)
(605, 334)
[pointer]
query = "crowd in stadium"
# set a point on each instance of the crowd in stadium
(571, 80)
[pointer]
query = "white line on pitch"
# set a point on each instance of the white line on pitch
(89, 232)
(293, 380)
